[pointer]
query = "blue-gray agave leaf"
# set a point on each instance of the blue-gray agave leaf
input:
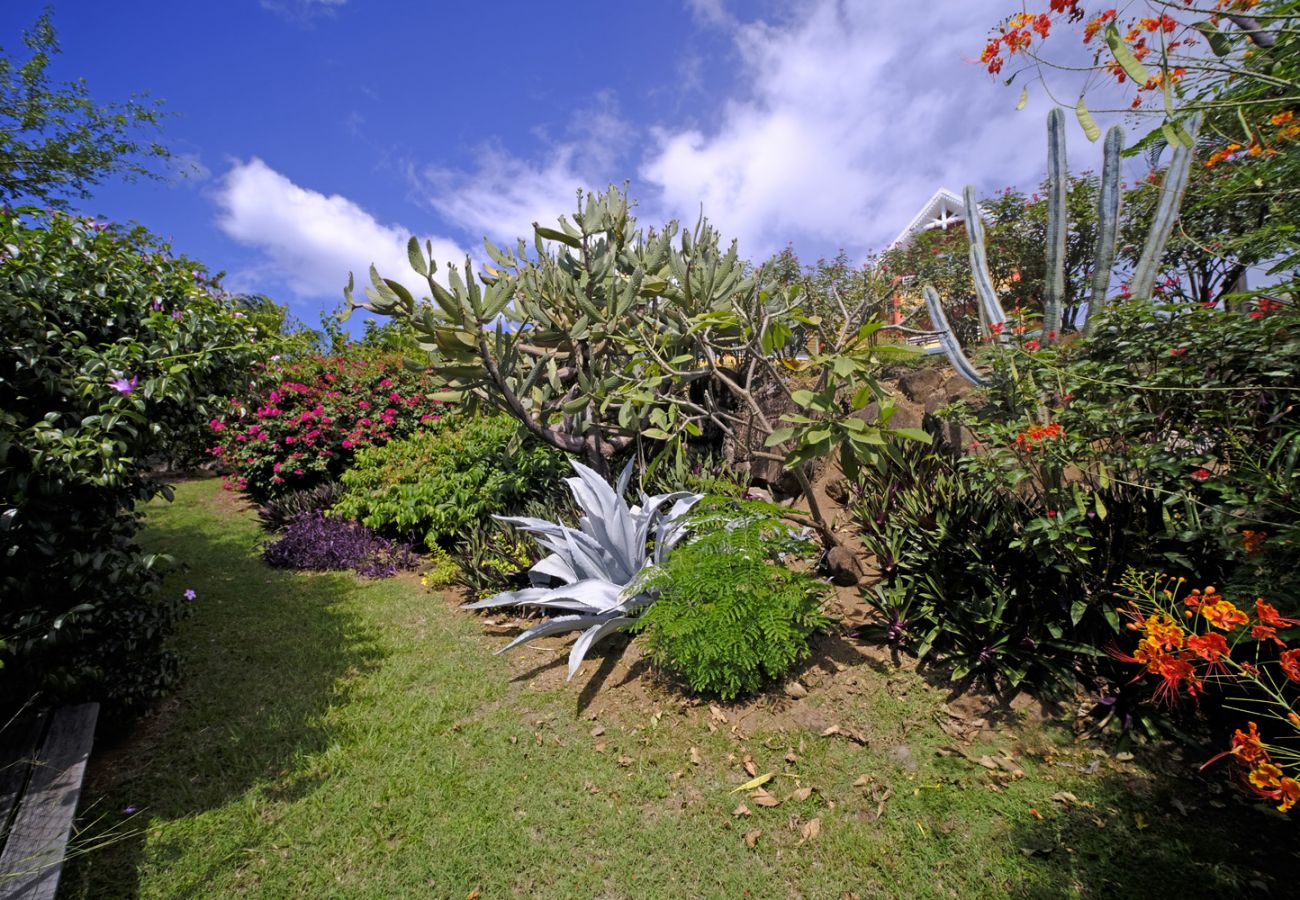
(598, 564)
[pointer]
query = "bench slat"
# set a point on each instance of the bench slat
(34, 852)
(18, 746)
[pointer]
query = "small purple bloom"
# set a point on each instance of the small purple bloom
(189, 594)
(129, 811)
(176, 314)
(125, 387)
(157, 304)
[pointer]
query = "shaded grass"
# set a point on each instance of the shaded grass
(338, 737)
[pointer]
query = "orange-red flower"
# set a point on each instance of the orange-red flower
(1288, 791)
(1291, 664)
(1210, 647)
(1223, 615)
(1251, 541)
(1268, 615)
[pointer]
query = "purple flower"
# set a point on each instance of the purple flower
(189, 594)
(125, 387)
(129, 811)
(176, 314)
(157, 304)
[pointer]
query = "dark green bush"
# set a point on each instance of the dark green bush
(434, 485)
(114, 354)
(728, 618)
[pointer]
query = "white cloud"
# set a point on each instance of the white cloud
(307, 241)
(849, 117)
(302, 10)
(506, 193)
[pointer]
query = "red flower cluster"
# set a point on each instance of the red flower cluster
(1037, 435)
(1184, 658)
(305, 430)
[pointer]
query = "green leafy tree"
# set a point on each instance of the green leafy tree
(56, 141)
(610, 339)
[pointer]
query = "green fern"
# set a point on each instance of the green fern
(728, 619)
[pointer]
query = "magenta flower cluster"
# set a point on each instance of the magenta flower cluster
(305, 429)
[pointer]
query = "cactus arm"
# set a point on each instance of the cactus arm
(990, 307)
(948, 340)
(1108, 203)
(1171, 198)
(1058, 183)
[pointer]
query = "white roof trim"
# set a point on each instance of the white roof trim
(939, 211)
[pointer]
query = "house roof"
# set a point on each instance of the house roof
(939, 211)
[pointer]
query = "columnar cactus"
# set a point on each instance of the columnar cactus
(1108, 209)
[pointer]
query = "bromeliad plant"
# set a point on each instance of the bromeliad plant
(600, 563)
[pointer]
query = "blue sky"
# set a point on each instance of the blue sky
(322, 133)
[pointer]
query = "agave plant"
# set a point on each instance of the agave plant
(598, 564)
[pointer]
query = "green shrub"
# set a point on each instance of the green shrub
(114, 354)
(434, 485)
(728, 618)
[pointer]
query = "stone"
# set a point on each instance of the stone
(843, 567)
(919, 385)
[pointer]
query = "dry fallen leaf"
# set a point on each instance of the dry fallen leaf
(598, 731)
(834, 729)
(474, 894)
(759, 781)
(600, 747)
(717, 714)
(748, 764)
(1065, 797)
(863, 779)
(590, 788)
(811, 829)
(796, 690)
(791, 758)
(802, 793)
(695, 756)
(625, 760)
(741, 810)
(537, 738)
(763, 798)
(751, 838)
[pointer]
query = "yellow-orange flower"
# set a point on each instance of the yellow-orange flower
(1265, 776)
(1223, 615)
(1282, 118)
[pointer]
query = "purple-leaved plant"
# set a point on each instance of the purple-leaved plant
(313, 541)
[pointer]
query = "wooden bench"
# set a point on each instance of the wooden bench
(43, 761)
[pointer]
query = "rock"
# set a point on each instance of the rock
(838, 490)
(843, 567)
(919, 385)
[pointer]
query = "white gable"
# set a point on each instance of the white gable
(940, 211)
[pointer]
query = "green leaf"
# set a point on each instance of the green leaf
(1218, 41)
(1077, 609)
(780, 436)
(803, 398)
(1124, 56)
(416, 256)
(912, 434)
(551, 234)
(1086, 121)
(656, 434)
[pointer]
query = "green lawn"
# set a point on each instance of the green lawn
(342, 737)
